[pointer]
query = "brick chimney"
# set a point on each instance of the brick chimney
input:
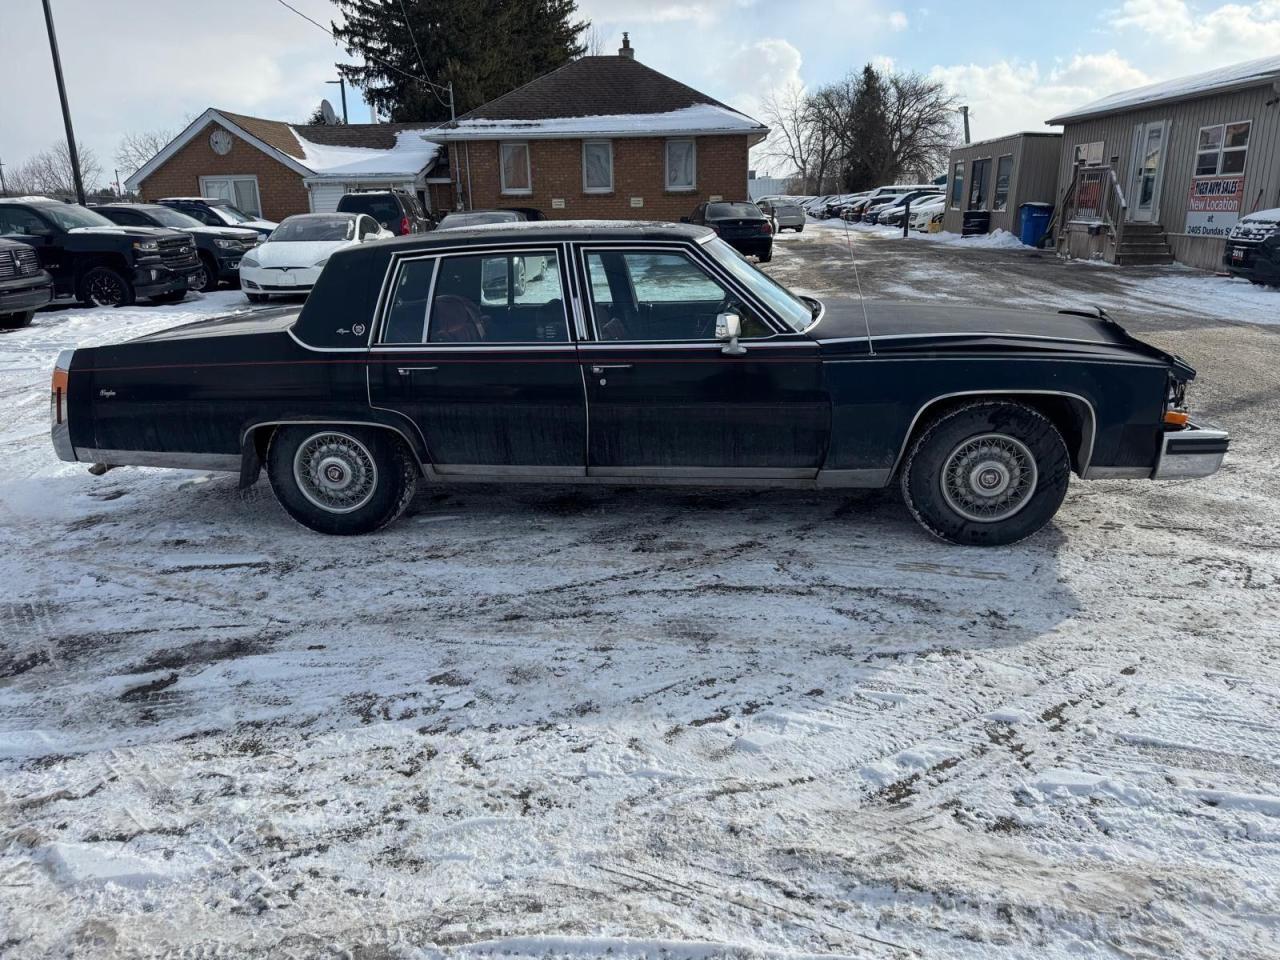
(625, 50)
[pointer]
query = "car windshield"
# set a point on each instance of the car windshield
(797, 314)
(68, 216)
(303, 229)
(720, 211)
(476, 218)
(230, 213)
(172, 218)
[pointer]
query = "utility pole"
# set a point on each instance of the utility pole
(454, 166)
(72, 153)
(342, 86)
(3, 189)
(964, 112)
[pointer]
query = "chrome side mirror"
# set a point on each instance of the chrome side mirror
(728, 327)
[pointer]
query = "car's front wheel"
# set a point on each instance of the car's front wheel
(205, 277)
(341, 480)
(104, 287)
(988, 473)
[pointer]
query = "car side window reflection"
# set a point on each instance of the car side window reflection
(507, 298)
(660, 296)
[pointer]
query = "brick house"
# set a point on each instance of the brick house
(601, 138)
(275, 169)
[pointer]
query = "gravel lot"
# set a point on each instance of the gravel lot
(541, 722)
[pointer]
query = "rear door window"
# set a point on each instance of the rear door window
(486, 298)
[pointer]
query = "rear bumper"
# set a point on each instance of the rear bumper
(60, 409)
(756, 246)
(1195, 451)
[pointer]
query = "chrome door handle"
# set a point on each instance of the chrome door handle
(405, 371)
(600, 368)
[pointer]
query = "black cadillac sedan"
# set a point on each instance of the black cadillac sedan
(643, 354)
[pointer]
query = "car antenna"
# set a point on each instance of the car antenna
(862, 299)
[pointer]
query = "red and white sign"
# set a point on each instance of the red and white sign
(1213, 205)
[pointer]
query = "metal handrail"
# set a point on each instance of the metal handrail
(1094, 194)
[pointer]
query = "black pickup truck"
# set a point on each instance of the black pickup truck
(219, 248)
(24, 287)
(645, 354)
(96, 261)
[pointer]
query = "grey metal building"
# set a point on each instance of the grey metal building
(998, 176)
(1164, 171)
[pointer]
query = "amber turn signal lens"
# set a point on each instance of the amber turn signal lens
(1176, 418)
(58, 393)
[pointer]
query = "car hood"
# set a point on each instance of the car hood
(898, 326)
(141, 233)
(296, 253)
(1263, 216)
(223, 233)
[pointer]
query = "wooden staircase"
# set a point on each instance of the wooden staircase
(1142, 244)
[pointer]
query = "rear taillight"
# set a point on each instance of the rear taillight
(766, 228)
(404, 226)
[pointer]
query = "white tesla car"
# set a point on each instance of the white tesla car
(290, 260)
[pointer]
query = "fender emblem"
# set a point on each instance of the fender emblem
(106, 394)
(358, 329)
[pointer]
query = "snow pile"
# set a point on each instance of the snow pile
(1199, 84)
(700, 118)
(407, 158)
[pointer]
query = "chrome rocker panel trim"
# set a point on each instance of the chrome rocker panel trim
(178, 459)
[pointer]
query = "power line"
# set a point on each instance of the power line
(321, 26)
(408, 24)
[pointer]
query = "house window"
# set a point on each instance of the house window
(241, 192)
(957, 184)
(597, 166)
(682, 163)
(1220, 150)
(514, 164)
(978, 175)
(1004, 174)
(1089, 154)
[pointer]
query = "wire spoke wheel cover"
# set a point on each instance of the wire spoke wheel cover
(989, 478)
(335, 471)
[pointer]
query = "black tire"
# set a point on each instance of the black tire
(206, 278)
(104, 287)
(766, 256)
(373, 479)
(13, 321)
(173, 296)
(800, 229)
(257, 297)
(1009, 448)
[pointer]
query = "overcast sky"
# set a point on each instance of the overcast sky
(150, 64)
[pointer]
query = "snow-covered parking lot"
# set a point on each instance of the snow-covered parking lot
(546, 722)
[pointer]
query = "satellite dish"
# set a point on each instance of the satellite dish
(326, 111)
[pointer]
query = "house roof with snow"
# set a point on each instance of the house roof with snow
(1238, 76)
(318, 151)
(606, 96)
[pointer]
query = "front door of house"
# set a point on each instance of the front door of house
(1149, 147)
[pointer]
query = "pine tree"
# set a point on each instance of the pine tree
(485, 47)
(868, 156)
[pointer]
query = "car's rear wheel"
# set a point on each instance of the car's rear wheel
(104, 287)
(341, 480)
(766, 256)
(12, 321)
(988, 473)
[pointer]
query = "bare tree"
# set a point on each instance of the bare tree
(137, 148)
(593, 41)
(49, 172)
(921, 118)
(791, 133)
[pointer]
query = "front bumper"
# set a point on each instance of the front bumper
(29, 293)
(1250, 260)
(1194, 451)
(157, 279)
(269, 280)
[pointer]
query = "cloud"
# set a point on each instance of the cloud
(1225, 33)
(1010, 95)
(897, 20)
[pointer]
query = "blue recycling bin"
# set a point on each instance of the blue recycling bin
(1033, 221)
